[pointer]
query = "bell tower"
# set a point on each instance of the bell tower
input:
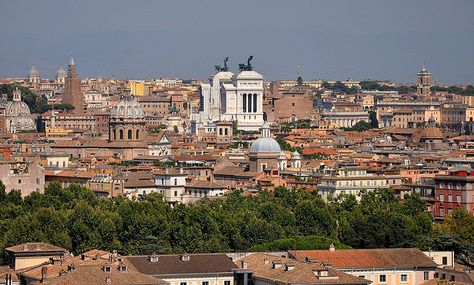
(72, 89)
(423, 83)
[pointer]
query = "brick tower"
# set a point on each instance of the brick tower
(72, 89)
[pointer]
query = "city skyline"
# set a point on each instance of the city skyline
(327, 40)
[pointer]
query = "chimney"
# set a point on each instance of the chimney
(243, 264)
(153, 258)
(185, 257)
(332, 247)
(276, 264)
(71, 267)
(289, 266)
(108, 279)
(44, 273)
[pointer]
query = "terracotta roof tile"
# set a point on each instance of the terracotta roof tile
(364, 258)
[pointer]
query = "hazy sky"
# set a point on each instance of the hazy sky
(330, 39)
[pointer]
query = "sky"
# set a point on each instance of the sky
(323, 39)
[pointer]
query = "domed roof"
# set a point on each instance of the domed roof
(295, 155)
(34, 72)
(127, 108)
(61, 71)
(265, 144)
(431, 133)
(17, 107)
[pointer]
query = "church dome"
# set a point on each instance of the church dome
(34, 72)
(17, 107)
(127, 108)
(296, 155)
(265, 144)
(61, 72)
(431, 133)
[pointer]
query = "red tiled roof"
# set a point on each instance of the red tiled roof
(313, 150)
(367, 258)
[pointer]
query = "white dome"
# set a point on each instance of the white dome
(296, 155)
(34, 72)
(61, 72)
(265, 145)
(17, 108)
(127, 108)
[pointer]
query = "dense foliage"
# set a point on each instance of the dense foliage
(373, 85)
(469, 90)
(76, 219)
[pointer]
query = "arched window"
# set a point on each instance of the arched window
(121, 134)
(225, 131)
(220, 131)
(129, 134)
(138, 134)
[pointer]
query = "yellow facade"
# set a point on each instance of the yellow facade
(137, 88)
(469, 114)
(468, 100)
(391, 276)
(434, 113)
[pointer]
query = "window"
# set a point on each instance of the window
(361, 276)
(226, 282)
(445, 260)
(441, 198)
(175, 181)
(441, 212)
(450, 198)
(382, 278)
(458, 199)
(205, 282)
(19, 181)
(121, 134)
(182, 283)
(403, 278)
(175, 193)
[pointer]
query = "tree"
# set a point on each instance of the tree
(360, 126)
(63, 106)
(374, 123)
(3, 194)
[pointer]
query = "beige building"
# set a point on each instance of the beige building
(22, 176)
(352, 180)
(32, 254)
